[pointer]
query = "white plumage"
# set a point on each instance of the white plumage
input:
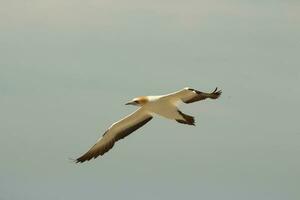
(163, 105)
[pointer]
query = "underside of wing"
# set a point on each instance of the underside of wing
(117, 131)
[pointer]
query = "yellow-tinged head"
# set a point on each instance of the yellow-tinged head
(138, 101)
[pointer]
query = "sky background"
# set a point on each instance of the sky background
(67, 68)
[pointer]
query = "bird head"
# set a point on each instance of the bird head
(138, 101)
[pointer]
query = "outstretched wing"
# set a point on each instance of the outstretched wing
(189, 95)
(116, 132)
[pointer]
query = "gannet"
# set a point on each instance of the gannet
(163, 105)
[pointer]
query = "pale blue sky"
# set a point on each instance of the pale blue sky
(67, 68)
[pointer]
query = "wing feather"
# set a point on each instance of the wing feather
(198, 96)
(189, 95)
(117, 131)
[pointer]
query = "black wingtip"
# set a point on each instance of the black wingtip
(72, 160)
(78, 160)
(216, 93)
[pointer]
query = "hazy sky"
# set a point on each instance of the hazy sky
(67, 68)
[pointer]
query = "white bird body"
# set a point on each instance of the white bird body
(163, 105)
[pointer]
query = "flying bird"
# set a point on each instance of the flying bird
(163, 105)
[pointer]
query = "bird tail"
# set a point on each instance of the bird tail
(190, 120)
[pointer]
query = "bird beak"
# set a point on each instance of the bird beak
(130, 103)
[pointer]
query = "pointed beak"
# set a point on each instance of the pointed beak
(130, 103)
